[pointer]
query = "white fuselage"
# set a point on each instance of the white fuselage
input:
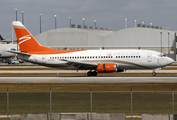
(125, 59)
(4, 49)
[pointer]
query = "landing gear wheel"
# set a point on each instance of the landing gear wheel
(154, 74)
(94, 73)
(89, 73)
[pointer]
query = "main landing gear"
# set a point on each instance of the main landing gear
(90, 73)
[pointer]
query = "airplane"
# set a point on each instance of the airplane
(2, 40)
(4, 49)
(96, 61)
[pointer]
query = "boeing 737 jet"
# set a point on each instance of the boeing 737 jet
(96, 61)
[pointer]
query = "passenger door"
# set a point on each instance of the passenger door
(149, 57)
(43, 58)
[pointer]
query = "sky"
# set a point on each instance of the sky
(107, 13)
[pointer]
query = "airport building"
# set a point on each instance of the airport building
(141, 37)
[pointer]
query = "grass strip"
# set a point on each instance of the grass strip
(103, 102)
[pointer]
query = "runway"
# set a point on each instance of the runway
(40, 74)
(73, 79)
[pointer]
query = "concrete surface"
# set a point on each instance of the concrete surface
(29, 117)
(157, 117)
(69, 116)
(73, 79)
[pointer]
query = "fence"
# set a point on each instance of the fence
(126, 102)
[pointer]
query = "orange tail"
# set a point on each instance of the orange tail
(27, 42)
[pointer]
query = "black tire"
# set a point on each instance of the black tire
(154, 74)
(94, 73)
(89, 73)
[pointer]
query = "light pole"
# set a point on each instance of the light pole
(95, 23)
(70, 21)
(16, 20)
(135, 23)
(168, 45)
(161, 40)
(150, 24)
(16, 13)
(12, 35)
(55, 21)
(23, 17)
(40, 22)
(125, 23)
(83, 22)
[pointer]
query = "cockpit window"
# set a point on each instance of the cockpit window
(13, 49)
(163, 55)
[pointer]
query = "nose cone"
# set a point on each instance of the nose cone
(170, 61)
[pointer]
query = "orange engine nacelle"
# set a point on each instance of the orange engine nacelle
(108, 67)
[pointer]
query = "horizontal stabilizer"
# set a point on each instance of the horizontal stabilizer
(20, 53)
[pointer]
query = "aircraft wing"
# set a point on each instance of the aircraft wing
(20, 53)
(80, 64)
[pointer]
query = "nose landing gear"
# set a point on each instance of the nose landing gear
(154, 73)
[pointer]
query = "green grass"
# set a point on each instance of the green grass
(102, 102)
(88, 86)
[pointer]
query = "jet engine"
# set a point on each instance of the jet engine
(108, 67)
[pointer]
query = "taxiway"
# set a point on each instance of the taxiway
(73, 79)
